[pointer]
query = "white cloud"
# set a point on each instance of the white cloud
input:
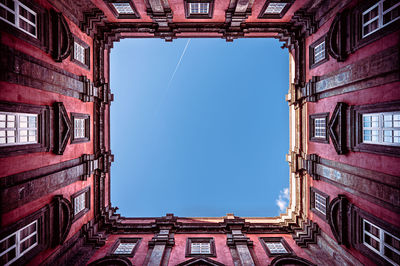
(283, 199)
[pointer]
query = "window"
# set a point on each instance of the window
(381, 242)
(318, 128)
(199, 8)
(81, 202)
(381, 128)
(275, 246)
(318, 53)
(18, 128)
(376, 128)
(80, 53)
(125, 247)
(319, 202)
(24, 131)
(200, 246)
(17, 244)
(275, 9)
(123, 9)
(379, 15)
(20, 16)
(81, 128)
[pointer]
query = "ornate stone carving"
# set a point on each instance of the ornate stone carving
(63, 128)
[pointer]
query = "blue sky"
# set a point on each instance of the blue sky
(208, 140)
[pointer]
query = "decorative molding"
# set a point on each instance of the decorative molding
(377, 189)
(308, 235)
(159, 11)
(91, 20)
(337, 219)
(337, 36)
(35, 73)
(308, 92)
(337, 128)
(61, 40)
(63, 215)
(237, 13)
(306, 21)
(63, 128)
(92, 235)
(290, 260)
(34, 186)
(112, 260)
(90, 92)
(201, 261)
(378, 69)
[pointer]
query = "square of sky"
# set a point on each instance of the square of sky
(199, 127)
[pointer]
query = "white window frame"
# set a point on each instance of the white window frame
(379, 17)
(198, 4)
(200, 248)
(17, 129)
(19, 241)
(319, 55)
(274, 8)
(380, 240)
(17, 17)
(83, 129)
(322, 128)
(79, 53)
(131, 11)
(79, 203)
(380, 128)
(320, 200)
(276, 247)
(121, 250)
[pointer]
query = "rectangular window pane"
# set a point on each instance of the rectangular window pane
(123, 8)
(199, 8)
(79, 127)
(275, 8)
(200, 248)
(79, 203)
(125, 248)
(320, 127)
(79, 52)
(381, 128)
(319, 52)
(276, 247)
(320, 203)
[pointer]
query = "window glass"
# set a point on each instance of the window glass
(275, 8)
(17, 244)
(276, 247)
(123, 8)
(18, 128)
(381, 128)
(124, 248)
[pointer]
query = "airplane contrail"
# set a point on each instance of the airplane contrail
(172, 77)
(179, 63)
